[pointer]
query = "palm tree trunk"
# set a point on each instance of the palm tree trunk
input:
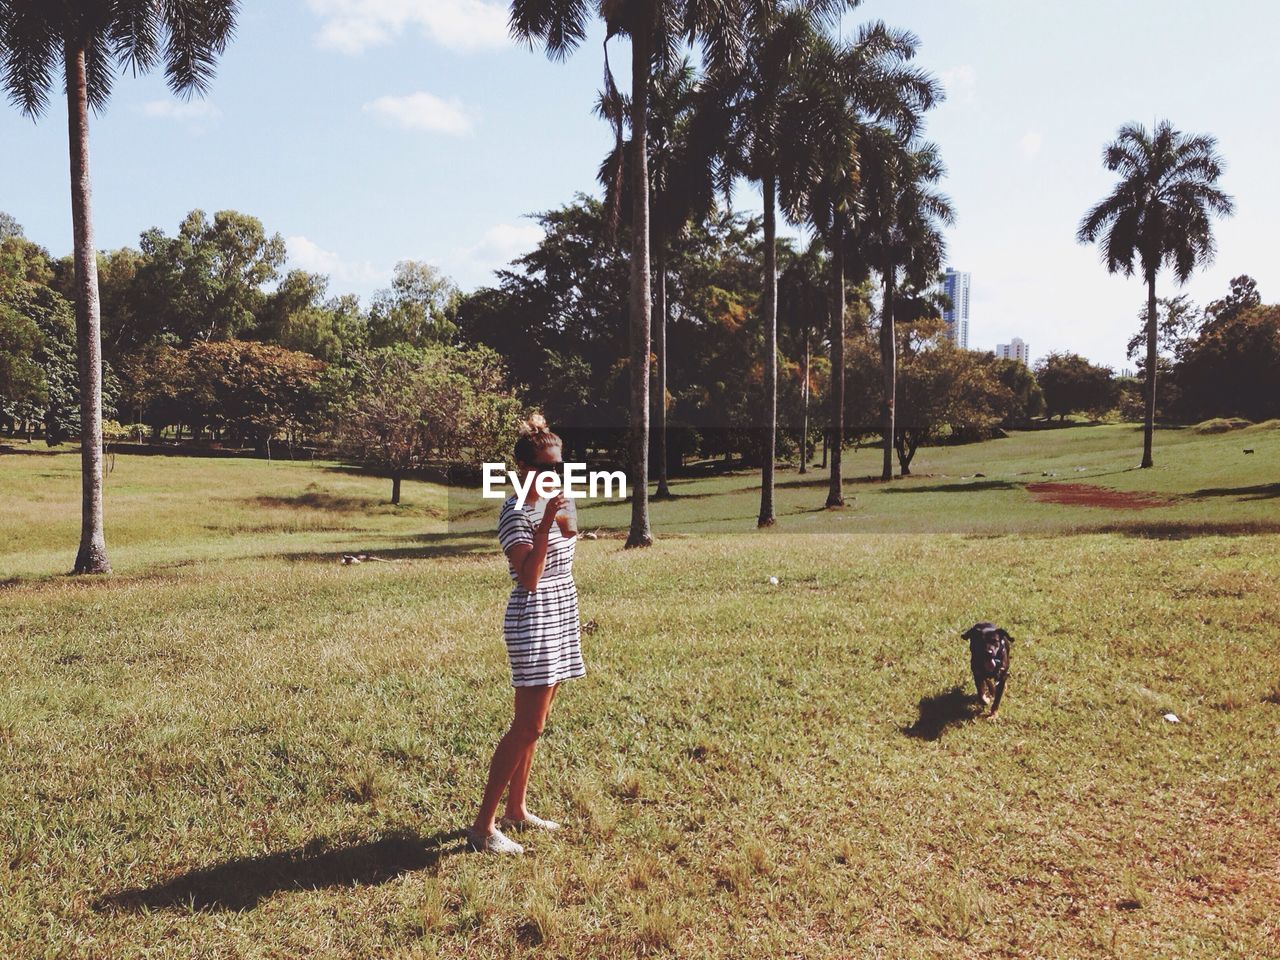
(770, 305)
(835, 440)
(804, 404)
(92, 555)
(889, 365)
(1149, 427)
(660, 377)
(640, 301)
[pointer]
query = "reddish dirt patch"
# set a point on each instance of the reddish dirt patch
(1087, 495)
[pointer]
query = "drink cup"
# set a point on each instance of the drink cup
(569, 513)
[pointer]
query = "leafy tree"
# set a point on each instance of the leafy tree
(22, 386)
(88, 44)
(1026, 399)
(253, 391)
(945, 391)
(155, 381)
(716, 401)
(565, 297)
(1159, 214)
(206, 282)
(124, 327)
(417, 309)
(559, 317)
(56, 356)
(9, 227)
(1243, 296)
(1176, 319)
(412, 405)
(1233, 366)
(298, 316)
(23, 267)
(38, 346)
(1071, 383)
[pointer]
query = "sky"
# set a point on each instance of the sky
(371, 131)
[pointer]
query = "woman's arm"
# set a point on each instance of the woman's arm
(529, 560)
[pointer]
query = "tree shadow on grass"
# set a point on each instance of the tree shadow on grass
(243, 883)
(1263, 491)
(941, 711)
(976, 486)
(1188, 529)
(40, 451)
(823, 481)
(426, 546)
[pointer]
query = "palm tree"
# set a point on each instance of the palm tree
(849, 93)
(657, 30)
(1159, 214)
(803, 290)
(684, 157)
(785, 41)
(87, 44)
(905, 216)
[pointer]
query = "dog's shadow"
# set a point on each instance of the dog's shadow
(941, 711)
(242, 883)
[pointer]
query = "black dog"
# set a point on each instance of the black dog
(989, 660)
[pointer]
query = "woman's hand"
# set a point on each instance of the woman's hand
(555, 504)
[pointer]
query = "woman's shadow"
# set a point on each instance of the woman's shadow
(241, 884)
(942, 711)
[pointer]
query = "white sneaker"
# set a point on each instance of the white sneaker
(495, 842)
(530, 822)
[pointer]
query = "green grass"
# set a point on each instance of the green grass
(237, 746)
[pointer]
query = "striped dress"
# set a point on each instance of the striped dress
(544, 643)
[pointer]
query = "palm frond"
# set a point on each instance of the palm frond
(560, 25)
(198, 32)
(30, 52)
(135, 29)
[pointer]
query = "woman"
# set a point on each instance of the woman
(541, 631)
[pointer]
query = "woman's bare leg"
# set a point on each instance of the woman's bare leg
(516, 808)
(531, 705)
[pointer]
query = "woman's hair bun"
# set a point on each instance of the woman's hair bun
(534, 423)
(533, 436)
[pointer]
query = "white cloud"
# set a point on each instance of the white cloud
(423, 111)
(506, 241)
(960, 82)
(474, 265)
(181, 110)
(305, 254)
(1031, 143)
(353, 26)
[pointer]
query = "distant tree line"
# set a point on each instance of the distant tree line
(1222, 360)
(207, 338)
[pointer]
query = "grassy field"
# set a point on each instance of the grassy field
(236, 746)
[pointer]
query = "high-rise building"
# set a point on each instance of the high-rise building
(1016, 349)
(956, 287)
